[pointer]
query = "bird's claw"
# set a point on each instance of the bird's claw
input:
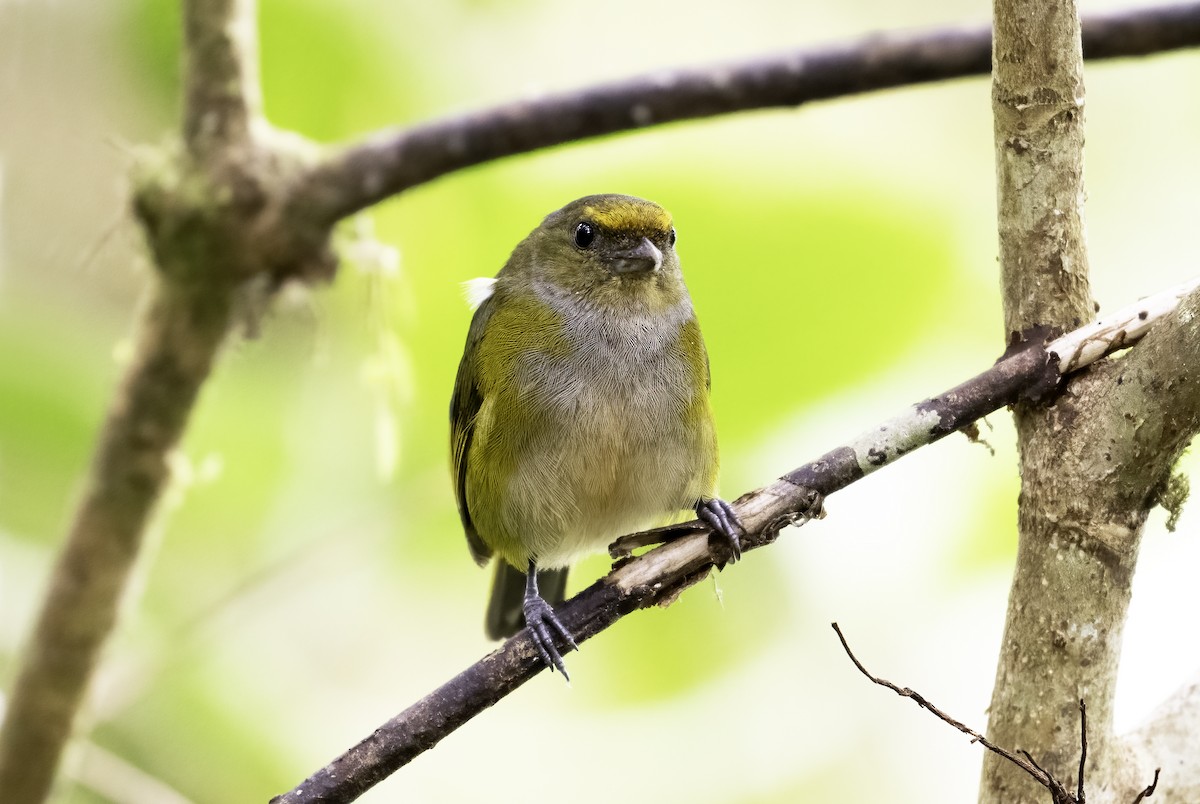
(720, 516)
(544, 625)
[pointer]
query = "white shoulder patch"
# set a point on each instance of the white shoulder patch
(477, 291)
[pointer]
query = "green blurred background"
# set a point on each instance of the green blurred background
(307, 577)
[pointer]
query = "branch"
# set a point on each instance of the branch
(1038, 111)
(1024, 762)
(388, 162)
(178, 338)
(222, 97)
(1058, 792)
(200, 261)
(1038, 131)
(659, 576)
(1092, 464)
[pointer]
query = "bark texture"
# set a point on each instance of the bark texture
(1037, 108)
(1092, 462)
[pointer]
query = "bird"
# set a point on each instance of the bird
(580, 409)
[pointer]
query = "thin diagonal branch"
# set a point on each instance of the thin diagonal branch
(1029, 371)
(364, 173)
(1022, 758)
(1025, 762)
(659, 576)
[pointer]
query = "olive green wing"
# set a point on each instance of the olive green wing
(692, 343)
(464, 408)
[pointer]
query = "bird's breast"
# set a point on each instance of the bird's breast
(615, 444)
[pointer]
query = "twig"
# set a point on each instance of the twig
(1026, 763)
(1149, 791)
(388, 162)
(658, 577)
(1082, 748)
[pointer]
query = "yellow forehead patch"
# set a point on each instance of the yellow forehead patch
(630, 215)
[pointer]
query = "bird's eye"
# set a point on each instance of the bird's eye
(585, 233)
(671, 237)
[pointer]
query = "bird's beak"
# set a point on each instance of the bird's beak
(645, 256)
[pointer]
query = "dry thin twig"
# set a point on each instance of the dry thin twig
(1082, 748)
(1058, 792)
(1150, 788)
(1025, 763)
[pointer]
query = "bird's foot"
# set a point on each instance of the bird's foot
(720, 516)
(544, 626)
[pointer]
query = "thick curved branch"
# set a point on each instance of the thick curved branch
(361, 174)
(659, 576)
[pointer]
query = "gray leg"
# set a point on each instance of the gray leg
(544, 624)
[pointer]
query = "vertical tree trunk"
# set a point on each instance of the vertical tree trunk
(1091, 461)
(1051, 656)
